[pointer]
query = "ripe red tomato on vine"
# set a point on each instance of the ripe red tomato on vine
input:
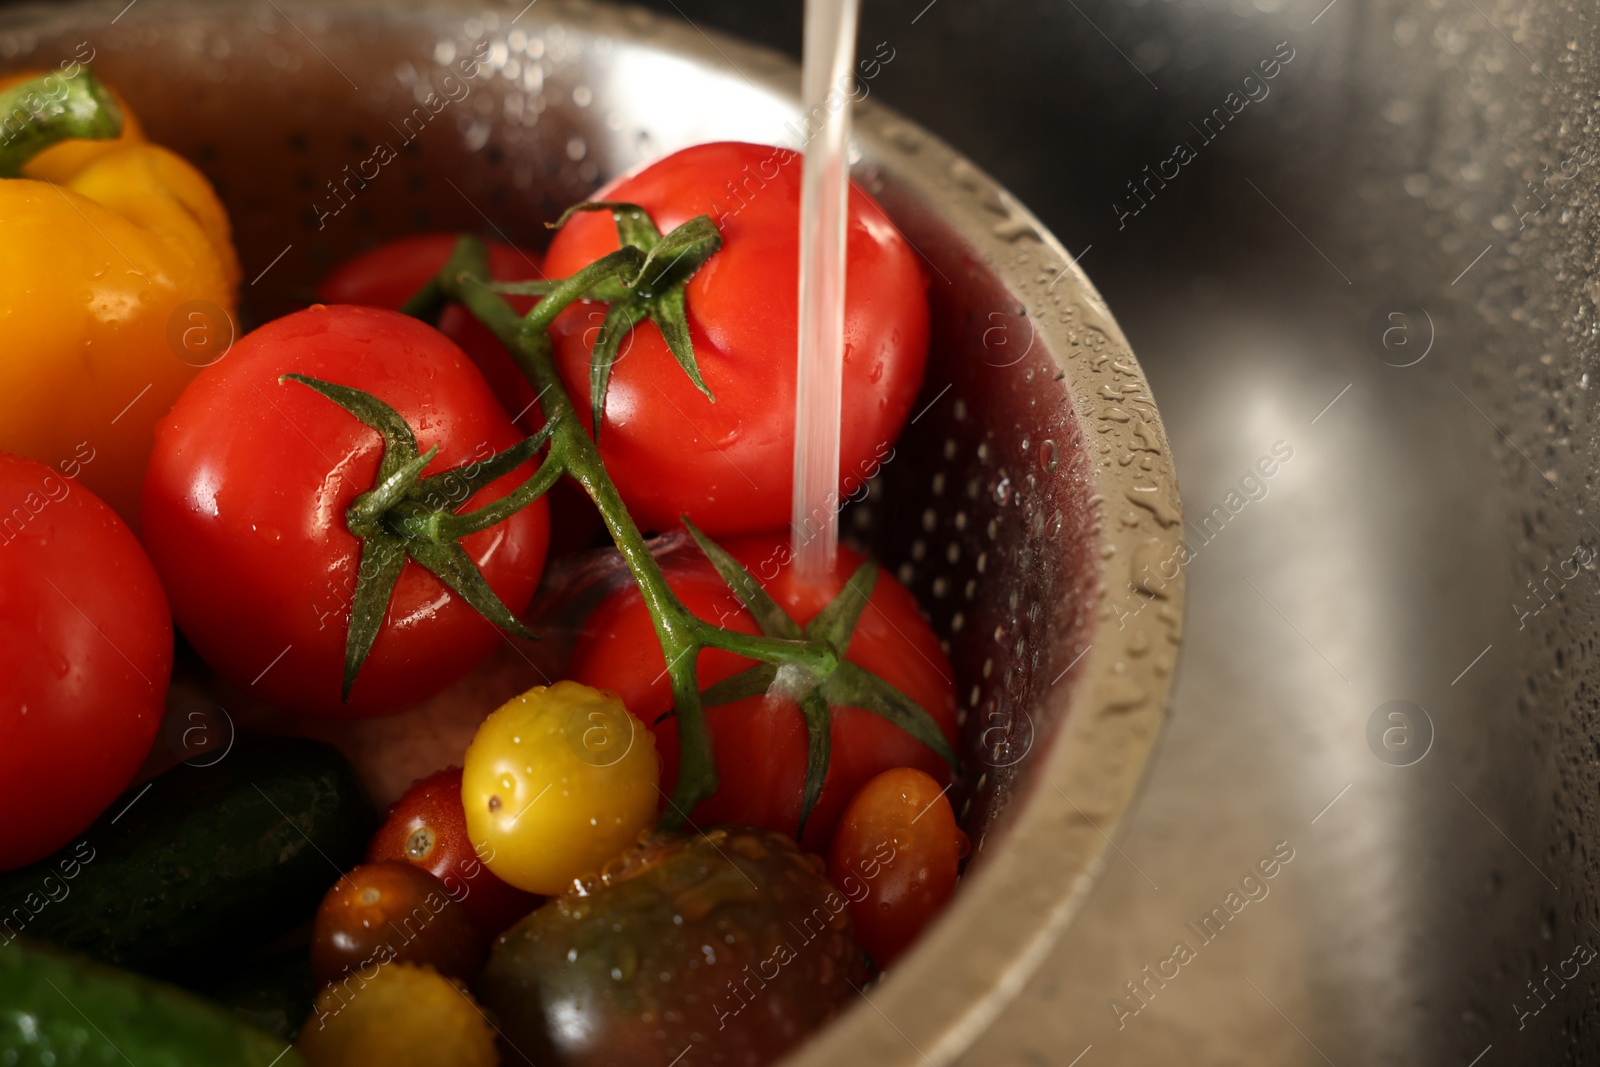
(760, 742)
(727, 463)
(247, 513)
(390, 274)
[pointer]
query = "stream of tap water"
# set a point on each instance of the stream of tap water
(825, 93)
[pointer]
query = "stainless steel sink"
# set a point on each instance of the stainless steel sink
(1375, 704)
(1028, 490)
(1363, 236)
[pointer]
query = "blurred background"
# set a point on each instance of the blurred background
(1380, 260)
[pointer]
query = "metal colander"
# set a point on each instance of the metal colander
(1031, 503)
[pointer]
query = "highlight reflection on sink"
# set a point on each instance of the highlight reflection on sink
(1378, 198)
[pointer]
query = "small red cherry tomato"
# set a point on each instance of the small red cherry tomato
(381, 913)
(427, 827)
(85, 655)
(389, 275)
(896, 857)
(246, 502)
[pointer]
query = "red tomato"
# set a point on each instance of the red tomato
(245, 502)
(392, 912)
(85, 655)
(728, 465)
(427, 827)
(896, 857)
(389, 275)
(760, 743)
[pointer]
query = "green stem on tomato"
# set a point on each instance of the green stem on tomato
(465, 279)
(455, 527)
(48, 110)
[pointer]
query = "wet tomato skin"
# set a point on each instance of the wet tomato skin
(387, 912)
(389, 275)
(732, 941)
(247, 491)
(760, 742)
(427, 827)
(556, 783)
(85, 655)
(728, 464)
(896, 855)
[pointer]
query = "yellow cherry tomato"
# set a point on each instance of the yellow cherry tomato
(557, 782)
(399, 1015)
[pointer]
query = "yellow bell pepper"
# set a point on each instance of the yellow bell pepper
(117, 282)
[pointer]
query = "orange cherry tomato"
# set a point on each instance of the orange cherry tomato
(381, 913)
(896, 857)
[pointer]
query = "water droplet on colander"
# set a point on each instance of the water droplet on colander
(1047, 455)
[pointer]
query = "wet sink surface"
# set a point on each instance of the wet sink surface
(1369, 210)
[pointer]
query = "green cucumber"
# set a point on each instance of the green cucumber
(60, 1011)
(193, 871)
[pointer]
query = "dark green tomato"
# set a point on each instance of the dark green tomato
(731, 944)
